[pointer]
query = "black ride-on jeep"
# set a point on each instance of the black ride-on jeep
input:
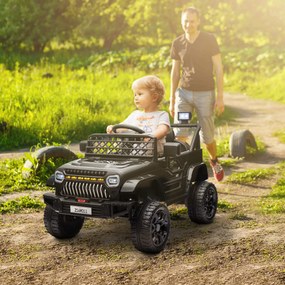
(122, 175)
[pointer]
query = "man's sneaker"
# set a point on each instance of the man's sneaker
(218, 170)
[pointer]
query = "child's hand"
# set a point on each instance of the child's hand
(109, 129)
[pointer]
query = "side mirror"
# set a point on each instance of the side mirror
(172, 149)
(82, 146)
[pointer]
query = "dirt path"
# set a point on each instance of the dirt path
(263, 119)
(240, 247)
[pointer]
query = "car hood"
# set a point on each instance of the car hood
(106, 167)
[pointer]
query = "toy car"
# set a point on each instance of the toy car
(121, 175)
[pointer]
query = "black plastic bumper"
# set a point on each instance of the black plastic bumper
(104, 209)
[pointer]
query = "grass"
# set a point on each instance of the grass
(12, 179)
(280, 135)
(275, 201)
(250, 176)
(225, 205)
(19, 204)
(73, 103)
(264, 86)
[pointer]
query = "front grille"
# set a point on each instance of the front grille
(85, 190)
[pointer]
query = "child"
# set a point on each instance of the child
(148, 93)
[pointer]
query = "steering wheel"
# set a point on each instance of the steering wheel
(127, 126)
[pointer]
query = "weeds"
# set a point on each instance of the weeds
(250, 176)
(13, 180)
(225, 205)
(16, 205)
(280, 135)
(275, 201)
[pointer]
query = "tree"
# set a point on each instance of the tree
(33, 23)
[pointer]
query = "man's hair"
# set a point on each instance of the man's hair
(191, 10)
(151, 83)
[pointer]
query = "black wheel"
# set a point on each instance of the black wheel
(202, 203)
(239, 141)
(150, 227)
(61, 226)
(45, 153)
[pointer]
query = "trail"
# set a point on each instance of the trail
(263, 118)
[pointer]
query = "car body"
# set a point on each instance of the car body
(121, 175)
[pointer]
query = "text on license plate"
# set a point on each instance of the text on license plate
(80, 210)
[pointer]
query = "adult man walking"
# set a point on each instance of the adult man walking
(198, 55)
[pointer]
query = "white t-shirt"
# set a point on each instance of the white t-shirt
(149, 122)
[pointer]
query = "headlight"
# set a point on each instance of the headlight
(113, 180)
(59, 176)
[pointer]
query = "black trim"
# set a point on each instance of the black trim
(104, 209)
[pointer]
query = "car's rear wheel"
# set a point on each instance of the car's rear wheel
(150, 227)
(61, 226)
(202, 202)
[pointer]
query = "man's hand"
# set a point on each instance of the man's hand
(171, 109)
(219, 106)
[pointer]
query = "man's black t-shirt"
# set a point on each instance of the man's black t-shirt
(196, 60)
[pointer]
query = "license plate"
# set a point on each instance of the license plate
(80, 210)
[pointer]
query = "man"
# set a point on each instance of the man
(197, 54)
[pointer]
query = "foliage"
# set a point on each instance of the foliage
(275, 201)
(224, 205)
(33, 24)
(250, 176)
(18, 204)
(13, 180)
(124, 23)
(258, 85)
(281, 135)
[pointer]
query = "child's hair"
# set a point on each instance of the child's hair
(153, 84)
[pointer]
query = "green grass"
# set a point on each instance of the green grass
(67, 107)
(225, 205)
(12, 179)
(280, 135)
(263, 86)
(251, 176)
(20, 204)
(275, 201)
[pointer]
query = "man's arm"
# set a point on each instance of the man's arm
(174, 81)
(218, 70)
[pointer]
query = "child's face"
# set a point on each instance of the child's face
(144, 99)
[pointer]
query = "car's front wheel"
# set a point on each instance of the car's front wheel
(150, 227)
(202, 202)
(61, 226)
